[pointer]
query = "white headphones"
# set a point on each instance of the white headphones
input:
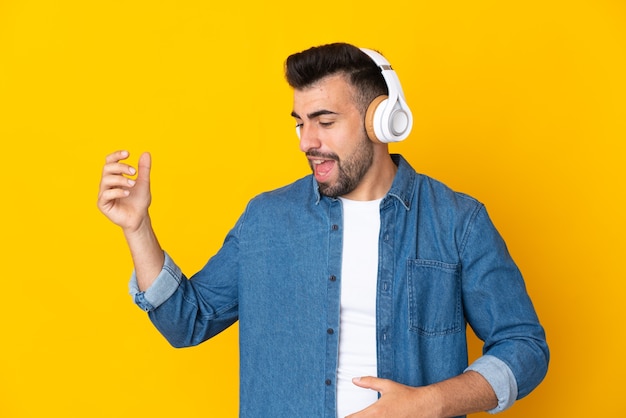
(388, 118)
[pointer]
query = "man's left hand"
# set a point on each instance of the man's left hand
(397, 400)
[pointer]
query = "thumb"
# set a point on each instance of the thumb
(144, 165)
(369, 382)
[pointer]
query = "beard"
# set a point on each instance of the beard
(351, 169)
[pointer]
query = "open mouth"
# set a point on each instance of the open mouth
(322, 168)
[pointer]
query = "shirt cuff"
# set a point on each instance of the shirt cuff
(501, 379)
(161, 289)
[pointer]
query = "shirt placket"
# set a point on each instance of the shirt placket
(335, 241)
(384, 292)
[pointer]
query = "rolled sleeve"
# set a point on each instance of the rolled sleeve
(501, 379)
(161, 289)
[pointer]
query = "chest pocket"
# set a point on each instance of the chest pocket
(434, 297)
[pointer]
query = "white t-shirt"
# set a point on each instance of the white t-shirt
(359, 274)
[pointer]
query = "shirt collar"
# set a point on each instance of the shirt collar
(402, 186)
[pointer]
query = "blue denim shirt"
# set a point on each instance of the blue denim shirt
(442, 265)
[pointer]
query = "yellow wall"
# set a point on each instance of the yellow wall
(521, 104)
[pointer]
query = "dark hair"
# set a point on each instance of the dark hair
(303, 69)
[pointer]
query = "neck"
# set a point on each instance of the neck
(377, 182)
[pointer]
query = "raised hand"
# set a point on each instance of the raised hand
(125, 202)
(121, 199)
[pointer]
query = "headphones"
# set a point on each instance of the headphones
(388, 118)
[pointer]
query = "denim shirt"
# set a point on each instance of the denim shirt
(442, 265)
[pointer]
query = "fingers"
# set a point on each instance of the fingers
(116, 156)
(122, 199)
(370, 382)
(114, 174)
(113, 166)
(115, 183)
(144, 165)
(114, 180)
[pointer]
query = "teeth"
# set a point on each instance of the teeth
(316, 162)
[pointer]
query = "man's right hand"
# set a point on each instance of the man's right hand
(125, 202)
(121, 199)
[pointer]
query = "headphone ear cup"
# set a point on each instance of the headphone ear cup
(371, 119)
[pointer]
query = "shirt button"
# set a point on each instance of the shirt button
(328, 382)
(333, 278)
(330, 331)
(335, 227)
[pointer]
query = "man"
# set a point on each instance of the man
(352, 286)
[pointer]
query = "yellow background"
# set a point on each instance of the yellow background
(521, 104)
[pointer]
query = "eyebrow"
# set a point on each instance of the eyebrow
(315, 114)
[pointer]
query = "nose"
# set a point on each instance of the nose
(309, 138)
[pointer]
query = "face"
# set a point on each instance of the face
(332, 135)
